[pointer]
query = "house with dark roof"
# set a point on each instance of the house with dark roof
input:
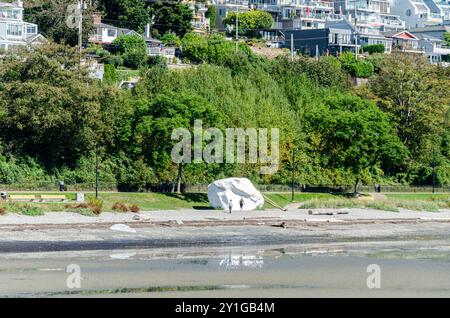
(105, 34)
(338, 36)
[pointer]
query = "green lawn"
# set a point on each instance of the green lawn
(146, 201)
(171, 201)
(282, 199)
(418, 196)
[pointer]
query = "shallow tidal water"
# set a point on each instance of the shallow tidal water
(406, 269)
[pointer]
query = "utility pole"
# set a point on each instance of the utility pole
(434, 171)
(356, 30)
(237, 27)
(80, 26)
(292, 46)
(293, 175)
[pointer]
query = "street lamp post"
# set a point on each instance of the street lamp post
(96, 171)
(293, 174)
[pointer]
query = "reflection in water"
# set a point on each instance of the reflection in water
(234, 261)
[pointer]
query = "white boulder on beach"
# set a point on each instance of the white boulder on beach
(220, 193)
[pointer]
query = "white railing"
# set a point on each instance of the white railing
(166, 51)
(95, 38)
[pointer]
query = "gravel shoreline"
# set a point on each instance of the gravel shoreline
(53, 232)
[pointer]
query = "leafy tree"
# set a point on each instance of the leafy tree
(159, 118)
(250, 22)
(132, 49)
(171, 39)
(355, 134)
(212, 15)
(416, 95)
(48, 110)
(110, 76)
(447, 37)
(51, 17)
(174, 16)
(131, 14)
(358, 68)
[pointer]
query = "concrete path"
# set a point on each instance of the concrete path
(211, 216)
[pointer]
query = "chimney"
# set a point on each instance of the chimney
(147, 30)
(97, 18)
(19, 3)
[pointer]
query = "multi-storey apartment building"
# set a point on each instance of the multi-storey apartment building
(287, 14)
(370, 16)
(14, 31)
(420, 13)
(297, 14)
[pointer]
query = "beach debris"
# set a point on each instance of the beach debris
(136, 217)
(122, 255)
(122, 228)
(311, 212)
(282, 225)
(179, 222)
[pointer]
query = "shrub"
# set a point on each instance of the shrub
(110, 75)
(2, 210)
(134, 58)
(373, 48)
(171, 39)
(156, 61)
(133, 50)
(115, 60)
(85, 212)
(363, 69)
(96, 205)
(135, 208)
(120, 207)
(358, 68)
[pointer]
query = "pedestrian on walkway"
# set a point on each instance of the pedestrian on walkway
(230, 205)
(241, 203)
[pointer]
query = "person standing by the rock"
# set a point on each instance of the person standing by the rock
(230, 205)
(241, 203)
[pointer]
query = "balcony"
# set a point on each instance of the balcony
(95, 38)
(168, 52)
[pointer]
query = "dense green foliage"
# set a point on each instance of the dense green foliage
(131, 14)
(358, 68)
(132, 49)
(53, 118)
(172, 16)
(52, 16)
(250, 22)
(447, 37)
(373, 48)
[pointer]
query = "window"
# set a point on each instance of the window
(14, 30)
(10, 14)
(408, 12)
(31, 30)
(111, 33)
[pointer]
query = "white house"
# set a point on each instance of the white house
(105, 33)
(420, 13)
(14, 31)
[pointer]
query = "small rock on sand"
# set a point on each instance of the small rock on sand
(122, 228)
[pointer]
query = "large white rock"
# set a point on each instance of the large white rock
(220, 193)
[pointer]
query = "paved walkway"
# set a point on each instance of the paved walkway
(190, 215)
